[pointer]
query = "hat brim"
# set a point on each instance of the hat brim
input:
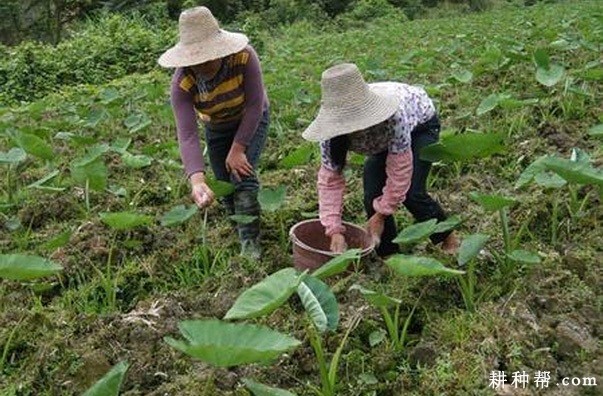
(223, 44)
(328, 124)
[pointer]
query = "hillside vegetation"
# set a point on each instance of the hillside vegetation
(92, 169)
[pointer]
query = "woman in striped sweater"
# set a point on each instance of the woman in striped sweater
(388, 122)
(218, 77)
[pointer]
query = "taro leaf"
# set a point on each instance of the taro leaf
(265, 296)
(137, 122)
(524, 256)
(34, 145)
(226, 344)
(320, 303)
(376, 337)
(488, 104)
(337, 264)
(463, 147)
(263, 390)
(416, 232)
(59, 241)
(125, 220)
(492, 202)
(377, 299)
(25, 267)
(574, 172)
(450, 223)
(541, 57)
(93, 153)
(13, 156)
(110, 383)
(120, 145)
(551, 76)
(299, 156)
(470, 247)
(530, 172)
(419, 266)
(94, 172)
(178, 215)
(242, 219)
(220, 188)
(549, 180)
(596, 131)
(109, 95)
(136, 161)
(272, 199)
(13, 223)
(95, 117)
(463, 76)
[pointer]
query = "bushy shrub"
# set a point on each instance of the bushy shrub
(364, 11)
(106, 48)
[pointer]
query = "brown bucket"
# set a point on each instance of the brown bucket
(311, 245)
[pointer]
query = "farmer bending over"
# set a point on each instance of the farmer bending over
(218, 76)
(389, 122)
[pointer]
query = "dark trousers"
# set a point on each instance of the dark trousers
(244, 200)
(418, 202)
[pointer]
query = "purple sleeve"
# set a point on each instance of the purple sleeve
(186, 125)
(255, 97)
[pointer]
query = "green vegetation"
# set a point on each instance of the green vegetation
(94, 202)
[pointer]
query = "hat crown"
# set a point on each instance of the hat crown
(197, 24)
(343, 84)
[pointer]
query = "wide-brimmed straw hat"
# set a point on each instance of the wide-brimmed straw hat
(348, 104)
(201, 40)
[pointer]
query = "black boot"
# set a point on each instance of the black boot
(246, 203)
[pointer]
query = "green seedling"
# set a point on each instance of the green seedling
(468, 251)
(110, 383)
(271, 200)
(12, 159)
(547, 73)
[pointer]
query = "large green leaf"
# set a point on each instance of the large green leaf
(470, 247)
(320, 303)
(25, 267)
(551, 76)
(110, 383)
(337, 264)
(488, 104)
(272, 199)
(524, 256)
(492, 202)
(94, 172)
(463, 147)
(449, 224)
(125, 220)
(574, 172)
(220, 188)
(34, 145)
(263, 390)
(299, 156)
(13, 156)
(530, 172)
(226, 344)
(178, 215)
(419, 266)
(266, 296)
(376, 298)
(416, 232)
(549, 180)
(136, 161)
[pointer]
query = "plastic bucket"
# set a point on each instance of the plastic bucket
(311, 245)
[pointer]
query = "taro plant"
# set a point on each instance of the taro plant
(110, 383)
(21, 267)
(468, 251)
(271, 200)
(12, 158)
(225, 344)
(418, 232)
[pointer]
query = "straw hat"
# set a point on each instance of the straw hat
(201, 40)
(348, 104)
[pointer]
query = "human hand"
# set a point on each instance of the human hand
(200, 191)
(237, 163)
(338, 244)
(375, 227)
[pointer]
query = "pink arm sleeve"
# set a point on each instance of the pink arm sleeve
(331, 187)
(398, 168)
(255, 97)
(186, 125)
